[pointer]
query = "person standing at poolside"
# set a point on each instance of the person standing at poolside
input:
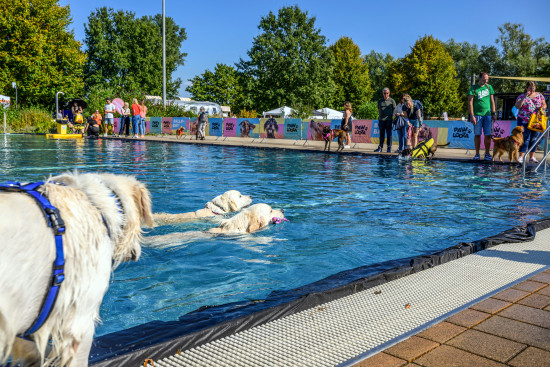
(109, 118)
(346, 123)
(125, 119)
(136, 118)
(528, 103)
(413, 112)
(202, 120)
(386, 106)
(97, 116)
(143, 114)
(399, 114)
(481, 106)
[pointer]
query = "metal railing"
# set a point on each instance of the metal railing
(546, 134)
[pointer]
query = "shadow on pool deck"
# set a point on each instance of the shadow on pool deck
(442, 153)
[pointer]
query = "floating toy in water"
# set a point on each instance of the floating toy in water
(407, 306)
(276, 220)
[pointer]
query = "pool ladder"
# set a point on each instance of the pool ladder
(546, 134)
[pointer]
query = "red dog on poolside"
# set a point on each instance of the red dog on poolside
(179, 132)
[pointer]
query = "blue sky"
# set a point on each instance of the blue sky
(222, 31)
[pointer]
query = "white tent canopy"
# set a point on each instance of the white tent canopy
(280, 112)
(328, 113)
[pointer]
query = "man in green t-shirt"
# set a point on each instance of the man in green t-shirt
(481, 106)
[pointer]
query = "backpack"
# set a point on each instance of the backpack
(418, 105)
(202, 117)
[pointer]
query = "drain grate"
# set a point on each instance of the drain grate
(349, 329)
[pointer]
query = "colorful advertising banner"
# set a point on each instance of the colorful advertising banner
(178, 122)
(375, 133)
(215, 126)
(292, 129)
(315, 129)
(361, 131)
(147, 125)
(167, 125)
(501, 129)
(248, 127)
(461, 134)
(156, 125)
(230, 127)
(272, 128)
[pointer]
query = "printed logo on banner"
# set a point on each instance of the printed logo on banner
(167, 125)
(248, 127)
(215, 126)
(178, 122)
(461, 134)
(501, 129)
(230, 127)
(156, 125)
(315, 129)
(272, 128)
(361, 131)
(292, 129)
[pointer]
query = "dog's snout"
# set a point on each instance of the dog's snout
(283, 211)
(134, 255)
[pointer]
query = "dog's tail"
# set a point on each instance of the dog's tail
(443, 145)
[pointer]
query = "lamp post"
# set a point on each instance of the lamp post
(163, 57)
(14, 85)
(57, 102)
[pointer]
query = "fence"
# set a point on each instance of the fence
(460, 134)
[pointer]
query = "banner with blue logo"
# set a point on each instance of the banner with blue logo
(178, 122)
(461, 134)
(215, 126)
(292, 129)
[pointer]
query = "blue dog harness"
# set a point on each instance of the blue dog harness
(55, 222)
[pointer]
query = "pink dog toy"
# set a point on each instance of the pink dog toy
(276, 220)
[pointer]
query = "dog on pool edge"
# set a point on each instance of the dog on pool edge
(179, 132)
(424, 150)
(103, 215)
(330, 134)
(509, 144)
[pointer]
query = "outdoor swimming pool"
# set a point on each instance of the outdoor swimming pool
(345, 211)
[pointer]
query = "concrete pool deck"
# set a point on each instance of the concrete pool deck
(443, 153)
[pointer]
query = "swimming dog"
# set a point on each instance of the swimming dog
(228, 202)
(510, 144)
(424, 150)
(330, 134)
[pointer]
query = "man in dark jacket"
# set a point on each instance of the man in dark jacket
(386, 105)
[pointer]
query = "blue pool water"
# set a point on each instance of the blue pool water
(344, 212)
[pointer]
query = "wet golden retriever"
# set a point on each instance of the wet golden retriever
(103, 214)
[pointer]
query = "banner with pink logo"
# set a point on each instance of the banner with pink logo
(230, 127)
(167, 125)
(361, 131)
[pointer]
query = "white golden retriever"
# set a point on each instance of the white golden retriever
(228, 202)
(249, 220)
(103, 214)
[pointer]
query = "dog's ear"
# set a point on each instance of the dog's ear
(255, 224)
(142, 198)
(233, 205)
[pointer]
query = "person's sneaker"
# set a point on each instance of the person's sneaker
(488, 157)
(476, 157)
(346, 146)
(520, 159)
(388, 150)
(378, 150)
(533, 159)
(104, 134)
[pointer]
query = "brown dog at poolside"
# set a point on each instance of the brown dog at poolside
(179, 132)
(330, 134)
(509, 144)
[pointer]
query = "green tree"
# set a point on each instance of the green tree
(351, 74)
(38, 51)
(378, 65)
(125, 52)
(428, 74)
(221, 86)
(289, 63)
(368, 111)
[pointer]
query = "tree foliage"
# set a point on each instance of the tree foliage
(368, 111)
(221, 86)
(125, 52)
(38, 51)
(378, 65)
(428, 73)
(351, 74)
(289, 62)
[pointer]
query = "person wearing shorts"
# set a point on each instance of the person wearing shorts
(346, 123)
(109, 110)
(481, 105)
